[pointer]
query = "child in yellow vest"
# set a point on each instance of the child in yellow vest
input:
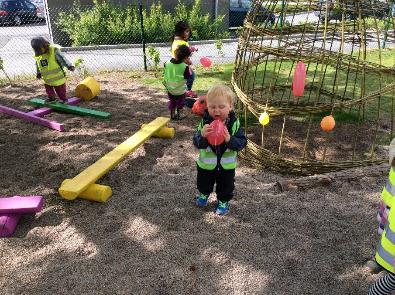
(385, 257)
(175, 74)
(217, 164)
(50, 64)
(182, 33)
(387, 199)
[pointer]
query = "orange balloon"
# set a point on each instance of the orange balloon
(328, 123)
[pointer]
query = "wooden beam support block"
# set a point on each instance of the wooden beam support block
(94, 192)
(164, 132)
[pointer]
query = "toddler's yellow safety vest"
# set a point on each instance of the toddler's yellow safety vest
(174, 78)
(208, 159)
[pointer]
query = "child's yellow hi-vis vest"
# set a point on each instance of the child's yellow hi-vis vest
(208, 159)
(51, 72)
(175, 44)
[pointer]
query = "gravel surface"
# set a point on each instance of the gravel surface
(150, 238)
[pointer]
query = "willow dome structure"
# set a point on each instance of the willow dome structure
(349, 52)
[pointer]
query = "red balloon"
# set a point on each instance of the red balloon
(217, 137)
(299, 79)
(199, 106)
(205, 61)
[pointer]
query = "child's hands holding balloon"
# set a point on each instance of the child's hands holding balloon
(217, 135)
(206, 130)
(226, 135)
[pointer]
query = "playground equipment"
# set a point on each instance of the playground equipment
(11, 210)
(87, 89)
(83, 185)
(164, 132)
(69, 109)
(343, 77)
(47, 108)
(35, 116)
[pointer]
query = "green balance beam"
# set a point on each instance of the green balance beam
(69, 109)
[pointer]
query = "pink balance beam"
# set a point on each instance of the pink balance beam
(18, 204)
(8, 223)
(40, 112)
(31, 118)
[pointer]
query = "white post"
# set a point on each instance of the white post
(48, 20)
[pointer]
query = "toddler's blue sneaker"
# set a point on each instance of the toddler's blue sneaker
(222, 208)
(201, 200)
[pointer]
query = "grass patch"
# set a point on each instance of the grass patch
(204, 78)
(280, 72)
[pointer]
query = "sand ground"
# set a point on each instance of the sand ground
(150, 238)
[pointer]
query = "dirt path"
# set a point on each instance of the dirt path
(149, 238)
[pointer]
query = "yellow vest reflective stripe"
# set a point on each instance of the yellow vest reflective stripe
(388, 193)
(385, 255)
(383, 258)
(229, 160)
(175, 44)
(51, 72)
(208, 159)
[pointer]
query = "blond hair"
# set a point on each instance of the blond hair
(221, 90)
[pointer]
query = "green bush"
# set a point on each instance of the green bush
(3, 70)
(154, 56)
(108, 24)
(81, 68)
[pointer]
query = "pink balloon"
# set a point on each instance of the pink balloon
(217, 137)
(299, 79)
(205, 61)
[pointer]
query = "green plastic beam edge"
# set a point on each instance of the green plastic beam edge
(69, 109)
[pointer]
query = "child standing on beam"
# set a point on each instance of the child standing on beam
(50, 64)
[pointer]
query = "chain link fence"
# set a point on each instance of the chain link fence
(109, 36)
(113, 36)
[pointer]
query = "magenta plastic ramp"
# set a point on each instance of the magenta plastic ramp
(8, 223)
(32, 118)
(21, 205)
(40, 112)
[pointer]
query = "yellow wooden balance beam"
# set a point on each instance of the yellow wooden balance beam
(83, 185)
